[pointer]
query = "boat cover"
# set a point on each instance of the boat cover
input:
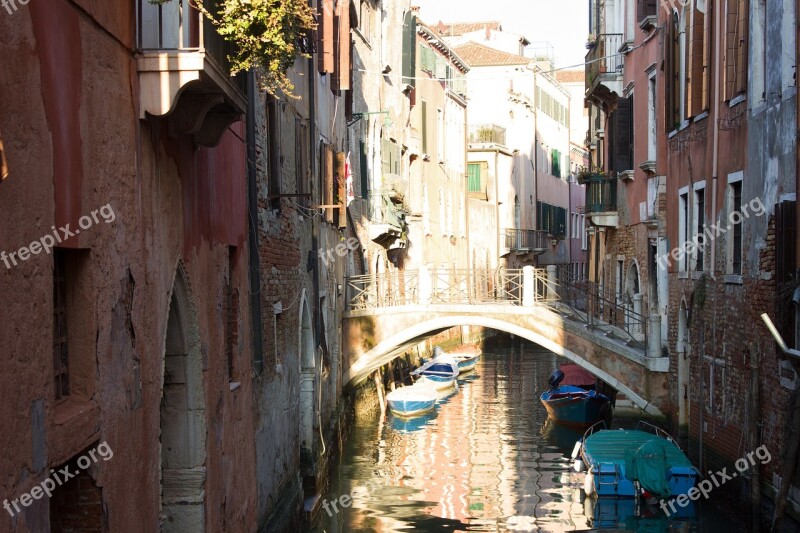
(649, 464)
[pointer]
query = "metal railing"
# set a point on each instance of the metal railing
(526, 239)
(442, 287)
(597, 307)
(180, 27)
(601, 194)
(487, 133)
(603, 57)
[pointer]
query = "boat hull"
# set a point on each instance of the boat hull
(437, 382)
(467, 363)
(411, 401)
(574, 406)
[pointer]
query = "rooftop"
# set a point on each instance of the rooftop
(479, 55)
(460, 28)
(571, 76)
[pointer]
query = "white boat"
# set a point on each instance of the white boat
(411, 401)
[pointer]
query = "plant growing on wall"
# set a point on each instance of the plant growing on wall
(267, 35)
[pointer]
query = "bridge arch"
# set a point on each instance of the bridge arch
(389, 348)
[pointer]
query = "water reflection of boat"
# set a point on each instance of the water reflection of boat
(410, 425)
(629, 515)
(561, 436)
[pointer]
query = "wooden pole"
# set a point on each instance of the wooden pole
(755, 415)
(789, 459)
(379, 389)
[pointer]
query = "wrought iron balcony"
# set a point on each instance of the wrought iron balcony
(487, 133)
(184, 71)
(604, 66)
(601, 199)
(387, 221)
(526, 241)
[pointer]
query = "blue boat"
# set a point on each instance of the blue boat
(574, 406)
(438, 373)
(411, 401)
(632, 463)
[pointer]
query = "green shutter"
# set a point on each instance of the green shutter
(474, 176)
(363, 165)
(409, 49)
(424, 110)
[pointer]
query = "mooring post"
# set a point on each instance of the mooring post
(637, 311)
(552, 282)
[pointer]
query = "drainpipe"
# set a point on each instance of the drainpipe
(715, 159)
(252, 227)
(314, 148)
(497, 205)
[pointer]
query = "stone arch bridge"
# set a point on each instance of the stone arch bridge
(390, 313)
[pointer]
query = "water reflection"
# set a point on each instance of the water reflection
(488, 459)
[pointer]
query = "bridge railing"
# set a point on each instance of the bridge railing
(444, 286)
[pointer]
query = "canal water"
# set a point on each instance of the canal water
(488, 459)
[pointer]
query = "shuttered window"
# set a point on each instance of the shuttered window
(646, 8)
(409, 49)
(622, 136)
(736, 48)
(672, 113)
(363, 165)
(325, 34)
(697, 60)
(551, 219)
(342, 70)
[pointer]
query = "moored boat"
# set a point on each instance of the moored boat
(439, 373)
(627, 463)
(411, 401)
(466, 356)
(572, 405)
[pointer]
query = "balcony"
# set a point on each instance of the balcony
(604, 64)
(487, 134)
(184, 72)
(387, 221)
(525, 241)
(601, 200)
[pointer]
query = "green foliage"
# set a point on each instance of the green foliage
(266, 34)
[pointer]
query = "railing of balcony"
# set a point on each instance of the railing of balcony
(180, 27)
(526, 239)
(487, 133)
(601, 194)
(603, 57)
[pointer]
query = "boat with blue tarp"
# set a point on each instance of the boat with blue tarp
(644, 461)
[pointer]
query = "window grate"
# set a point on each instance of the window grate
(60, 348)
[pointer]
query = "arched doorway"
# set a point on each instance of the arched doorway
(308, 382)
(183, 419)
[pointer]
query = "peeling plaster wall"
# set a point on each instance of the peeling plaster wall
(74, 143)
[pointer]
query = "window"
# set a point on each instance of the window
(440, 134)
(622, 136)
(442, 213)
(60, 346)
(698, 50)
(584, 234)
(409, 50)
(329, 183)
(302, 170)
(476, 179)
(646, 8)
(699, 229)
(788, 37)
(736, 227)
(674, 74)
(551, 219)
(365, 19)
(274, 152)
(363, 164)
(683, 229)
(325, 33)
(620, 278)
(736, 48)
(651, 117)
(424, 112)
(759, 43)
(556, 157)
(450, 226)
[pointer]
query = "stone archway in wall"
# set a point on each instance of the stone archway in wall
(182, 418)
(308, 378)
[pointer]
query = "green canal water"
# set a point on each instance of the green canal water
(488, 459)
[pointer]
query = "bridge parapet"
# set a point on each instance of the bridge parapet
(574, 298)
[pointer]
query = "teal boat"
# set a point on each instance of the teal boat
(629, 463)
